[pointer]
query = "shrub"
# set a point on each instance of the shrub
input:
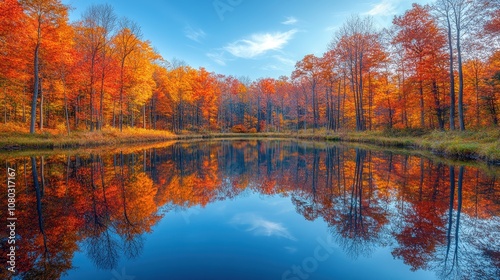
(239, 128)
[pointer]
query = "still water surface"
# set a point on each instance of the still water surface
(266, 209)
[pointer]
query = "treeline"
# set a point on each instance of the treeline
(436, 67)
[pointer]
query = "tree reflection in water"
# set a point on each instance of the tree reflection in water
(432, 215)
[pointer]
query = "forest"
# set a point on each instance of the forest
(437, 67)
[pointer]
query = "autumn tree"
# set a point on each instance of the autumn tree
(283, 99)
(264, 89)
(44, 16)
(355, 42)
(93, 38)
(491, 88)
(230, 112)
(309, 69)
(461, 16)
(330, 79)
(60, 74)
(13, 52)
(140, 84)
(205, 98)
(160, 102)
(422, 42)
(444, 9)
(107, 21)
(492, 26)
(180, 91)
(125, 42)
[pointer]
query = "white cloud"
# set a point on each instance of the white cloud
(290, 21)
(217, 57)
(271, 67)
(261, 227)
(258, 44)
(384, 8)
(194, 34)
(284, 60)
(331, 28)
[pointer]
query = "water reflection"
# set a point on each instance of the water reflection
(431, 215)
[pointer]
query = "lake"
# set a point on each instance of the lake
(251, 209)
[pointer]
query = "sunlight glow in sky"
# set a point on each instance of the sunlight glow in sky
(254, 38)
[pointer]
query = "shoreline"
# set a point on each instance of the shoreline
(481, 145)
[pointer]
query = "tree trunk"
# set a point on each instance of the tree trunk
(337, 125)
(452, 76)
(315, 118)
(361, 94)
(66, 115)
(35, 90)
(305, 112)
(76, 111)
(114, 114)
(47, 122)
(91, 99)
(24, 106)
(144, 116)
(422, 108)
(151, 111)
(5, 105)
(132, 121)
(461, 117)
(41, 106)
(121, 96)
(100, 118)
(370, 101)
(476, 91)
(258, 112)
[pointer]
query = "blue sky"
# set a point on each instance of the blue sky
(253, 38)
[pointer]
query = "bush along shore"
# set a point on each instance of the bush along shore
(469, 145)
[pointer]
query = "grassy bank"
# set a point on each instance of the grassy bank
(20, 140)
(480, 145)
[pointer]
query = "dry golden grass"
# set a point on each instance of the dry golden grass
(12, 138)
